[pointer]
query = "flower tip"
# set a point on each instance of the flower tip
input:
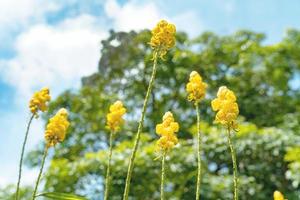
(46, 89)
(278, 195)
(115, 116)
(194, 73)
(167, 115)
(63, 112)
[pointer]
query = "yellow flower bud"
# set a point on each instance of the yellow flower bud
(163, 37)
(39, 101)
(114, 118)
(278, 196)
(57, 127)
(195, 88)
(227, 108)
(167, 130)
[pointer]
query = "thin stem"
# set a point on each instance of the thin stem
(40, 173)
(199, 149)
(140, 127)
(107, 179)
(22, 156)
(233, 157)
(162, 184)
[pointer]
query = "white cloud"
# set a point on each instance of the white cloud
(55, 56)
(18, 11)
(135, 16)
(132, 16)
(16, 15)
(189, 22)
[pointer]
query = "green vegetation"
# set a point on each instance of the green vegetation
(267, 144)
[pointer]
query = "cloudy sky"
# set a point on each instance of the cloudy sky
(54, 43)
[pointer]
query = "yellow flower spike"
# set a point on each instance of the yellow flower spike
(163, 37)
(167, 130)
(114, 117)
(113, 121)
(57, 128)
(278, 196)
(196, 88)
(227, 112)
(226, 107)
(38, 101)
(167, 141)
(55, 132)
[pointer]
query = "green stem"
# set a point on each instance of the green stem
(199, 149)
(162, 184)
(22, 156)
(140, 127)
(107, 179)
(233, 157)
(40, 173)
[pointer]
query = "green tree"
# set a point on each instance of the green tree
(262, 76)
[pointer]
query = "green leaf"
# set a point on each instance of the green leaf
(61, 196)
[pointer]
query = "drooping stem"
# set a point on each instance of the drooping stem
(140, 127)
(162, 183)
(233, 157)
(40, 173)
(107, 179)
(22, 156)
(199, 149)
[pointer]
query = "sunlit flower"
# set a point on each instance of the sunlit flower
(195, 88)
(57, 128)
(114, 119)
(39, 101)
(278, 196)
(163, 37)
(167, 130)
(227, 108)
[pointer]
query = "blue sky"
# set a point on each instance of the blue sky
(55, 43)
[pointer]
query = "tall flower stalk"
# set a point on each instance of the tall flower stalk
(168, 139)
(55, 133)
(38, 102)
(233, 157)
(107, 179)
(199, 151)
(162, 184)
(40, 172)
(227, 112)
(163, 39)
(114, 120)
(196, 90)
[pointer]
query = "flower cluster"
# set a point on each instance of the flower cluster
(195, 88)
(39, 101)
(227, 108)
(57, 127)
(114, 117)
(163, 37)
(278, 196)
(167, 130)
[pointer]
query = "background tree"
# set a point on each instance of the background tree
(264, 78)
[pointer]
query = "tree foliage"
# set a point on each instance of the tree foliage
(263, 78)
